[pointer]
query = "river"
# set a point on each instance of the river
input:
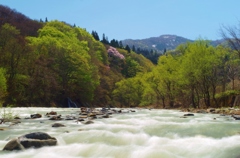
(141, 134)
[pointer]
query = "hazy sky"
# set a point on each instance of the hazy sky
(137, 19)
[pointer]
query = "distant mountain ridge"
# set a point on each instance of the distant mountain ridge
(161, 43)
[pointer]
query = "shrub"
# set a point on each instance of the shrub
(227, 93)
(7, 115)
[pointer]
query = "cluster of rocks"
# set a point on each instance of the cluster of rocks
(235, 113)
(39, 139)
(84, 114)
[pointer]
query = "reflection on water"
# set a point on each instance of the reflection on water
(141, 134)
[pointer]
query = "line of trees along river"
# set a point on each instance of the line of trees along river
(46, 63)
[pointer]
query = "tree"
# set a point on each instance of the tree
(232, 36)
(128, 49)
(12, 50)
(233, 67)
(3, 84)
(114, 43)
(168, 68)
(200, 64)
(120, 44)
(131, 68)
(128, 92)
(105, 39)
(133, 48)
(154, 91)
(95, 35)
(64, 53)
(27, 26)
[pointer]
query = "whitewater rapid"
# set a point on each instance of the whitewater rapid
(141, 134)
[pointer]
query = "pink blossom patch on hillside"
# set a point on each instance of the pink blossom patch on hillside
(113, 52)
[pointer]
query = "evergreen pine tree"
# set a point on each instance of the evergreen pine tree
(128, 48)
(133, 48)
(120, 44)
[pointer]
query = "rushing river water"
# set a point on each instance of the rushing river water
(141, 134)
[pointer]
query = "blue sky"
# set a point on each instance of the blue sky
(137, 19)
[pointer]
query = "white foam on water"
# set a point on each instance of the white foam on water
(143, 134)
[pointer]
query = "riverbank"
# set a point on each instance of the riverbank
(221, 111)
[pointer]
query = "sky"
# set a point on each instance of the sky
(137, 19)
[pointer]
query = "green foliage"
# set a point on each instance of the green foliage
(62, 61)
(75, 74)
(3, 83)
(131, 68)
(12, 50)
(154, 91)
(193, 72)
(134, 64)
(129, 92)
(227, 93)
(67, 62)
(7, 115)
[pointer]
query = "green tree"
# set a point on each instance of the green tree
(131, 68)
(128, 49)
(95, 35)
(168, 67)
(155, 91)
(3, 84)
(200, 67)
(67, 50)
(120, 44)
(129, 92)
(233, 67)
(12, 50)
(133, 48)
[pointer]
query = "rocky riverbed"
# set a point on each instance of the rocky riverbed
(123, 133)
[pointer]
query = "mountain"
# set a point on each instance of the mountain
(161, 43)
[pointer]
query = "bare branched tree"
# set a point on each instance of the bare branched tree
(232, 35)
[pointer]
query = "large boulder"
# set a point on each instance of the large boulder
(31, 140)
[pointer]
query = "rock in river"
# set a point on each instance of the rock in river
(236, 117)
(34, 140)
(88, 122)
(34, 116)
(189, 114)
(58, 125)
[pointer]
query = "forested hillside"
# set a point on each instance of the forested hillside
(55, 64)
(194, 75)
